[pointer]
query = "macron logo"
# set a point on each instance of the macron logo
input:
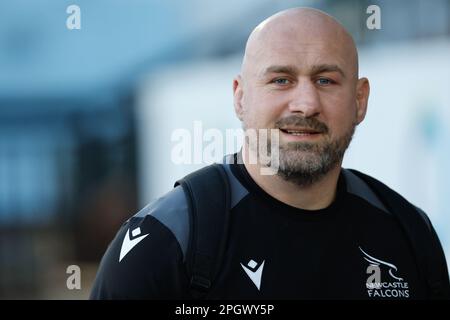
(254, 275)
(128, 244)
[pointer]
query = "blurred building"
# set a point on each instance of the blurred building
(86, 116)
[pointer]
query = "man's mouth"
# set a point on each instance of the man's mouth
(300, 131)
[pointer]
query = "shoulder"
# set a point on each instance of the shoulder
(165, 217)
(169, 212)
(146, 257)
(378, 194)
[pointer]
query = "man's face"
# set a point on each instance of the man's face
(308, 90)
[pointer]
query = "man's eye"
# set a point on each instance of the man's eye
(324, 81)
(282, 81)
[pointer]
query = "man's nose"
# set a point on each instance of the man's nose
(305, 99)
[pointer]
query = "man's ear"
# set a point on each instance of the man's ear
(237, 97)
(362, 98)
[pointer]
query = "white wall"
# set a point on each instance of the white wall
(174, 99)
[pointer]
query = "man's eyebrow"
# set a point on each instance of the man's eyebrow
(314, 70)
(327, 68)
(281, 69)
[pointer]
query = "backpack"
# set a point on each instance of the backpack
(208, 195)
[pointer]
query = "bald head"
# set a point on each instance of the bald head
(303, 30)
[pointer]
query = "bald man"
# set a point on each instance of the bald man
(308, 229)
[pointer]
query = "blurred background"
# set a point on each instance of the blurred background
(87, 115)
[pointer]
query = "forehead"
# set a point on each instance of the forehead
(302, 54)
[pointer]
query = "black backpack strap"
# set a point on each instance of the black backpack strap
(428, 251)
(208, 194)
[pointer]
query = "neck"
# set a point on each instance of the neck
(316, 196)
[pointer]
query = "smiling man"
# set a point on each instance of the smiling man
(300, 75)
(312, 230)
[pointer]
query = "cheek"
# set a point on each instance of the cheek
(261, 110)
(341, 124)
(340, 117)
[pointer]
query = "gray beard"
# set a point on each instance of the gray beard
(304, 163)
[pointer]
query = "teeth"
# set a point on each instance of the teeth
(298, 133)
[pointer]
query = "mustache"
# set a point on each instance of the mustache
(309, 123)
